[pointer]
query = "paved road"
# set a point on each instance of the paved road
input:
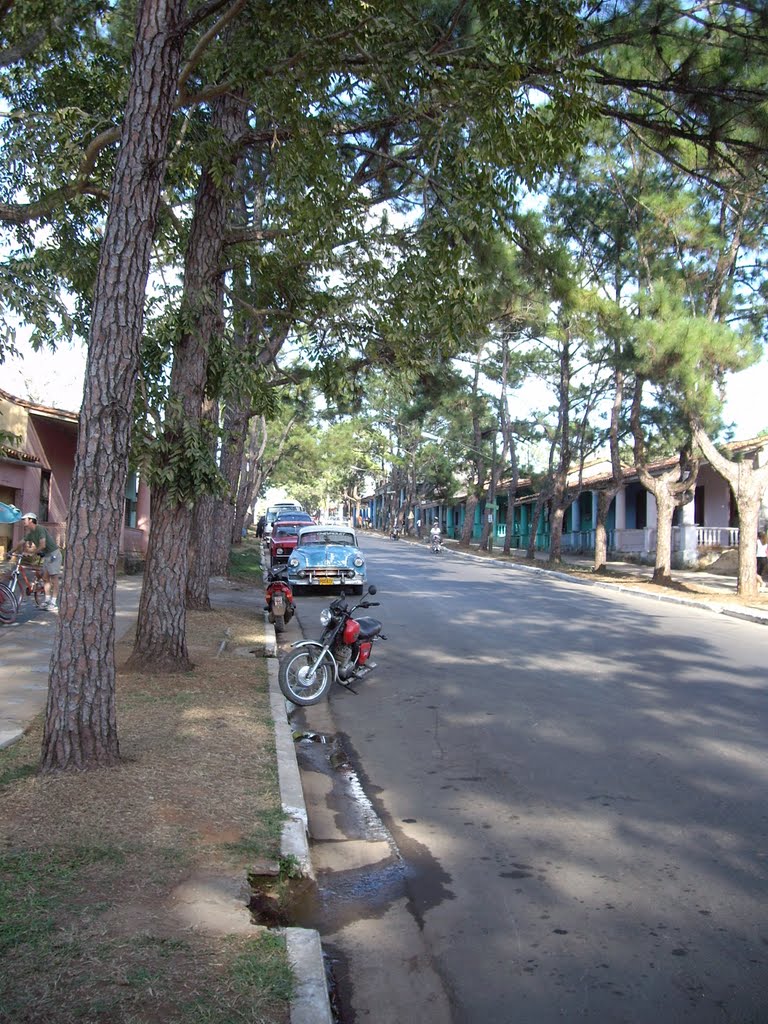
(575, 782)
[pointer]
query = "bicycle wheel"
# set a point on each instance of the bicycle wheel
(9, 606)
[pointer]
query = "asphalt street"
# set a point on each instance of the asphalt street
(572, 787)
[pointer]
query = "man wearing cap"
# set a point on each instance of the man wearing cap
(39, 541)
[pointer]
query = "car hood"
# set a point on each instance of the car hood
(313, 555)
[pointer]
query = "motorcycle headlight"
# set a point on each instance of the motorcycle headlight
(359, 562)
(325, 616)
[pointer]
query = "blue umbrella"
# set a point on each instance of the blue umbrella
(9, 513)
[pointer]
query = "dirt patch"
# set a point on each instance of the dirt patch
(90, 863)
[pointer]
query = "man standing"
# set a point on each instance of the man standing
(39, 541)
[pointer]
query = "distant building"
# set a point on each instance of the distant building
(36, 469)
(700, 530)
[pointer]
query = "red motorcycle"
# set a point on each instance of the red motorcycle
(279, 598)
(342, 654)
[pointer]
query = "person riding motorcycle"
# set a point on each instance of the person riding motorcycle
(435, 537)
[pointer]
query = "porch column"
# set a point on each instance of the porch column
(650, 510)
(620, 507)
(651, 519)
(575, 516)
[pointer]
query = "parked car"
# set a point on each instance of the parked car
(327, 556)
(279, 509)
(293, 517)
(284, 537)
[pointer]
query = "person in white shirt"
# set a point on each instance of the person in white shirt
(762, 554)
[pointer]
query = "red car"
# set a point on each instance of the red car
(283, 539)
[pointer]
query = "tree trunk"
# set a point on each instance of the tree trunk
(748, 484)
(469, 521)
(204, 528)
(665, 507)
(161, 641)
(81, 727)
(156, 646)
(230, 464)
(604, 499)
(530, 553)
(670, 489)
(202, 533)
(510, 518)
(556, 533)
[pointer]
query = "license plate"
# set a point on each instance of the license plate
(325, 581)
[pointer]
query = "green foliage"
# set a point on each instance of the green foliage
(180, 460)
(687, 353)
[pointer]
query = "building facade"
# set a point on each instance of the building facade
(36, 466)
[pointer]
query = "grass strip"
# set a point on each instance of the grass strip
(90, 862)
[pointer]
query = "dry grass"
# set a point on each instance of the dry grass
(91, 864)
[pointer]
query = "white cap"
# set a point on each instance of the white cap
(30, 515)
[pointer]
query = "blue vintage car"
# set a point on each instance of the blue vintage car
(327, 556)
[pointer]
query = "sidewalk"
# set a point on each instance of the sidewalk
(25, 654)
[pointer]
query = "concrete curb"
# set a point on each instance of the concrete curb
(310, 1003)
(9, 736)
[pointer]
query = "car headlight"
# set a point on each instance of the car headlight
(293, 562)
(278, 551)
(359, 562)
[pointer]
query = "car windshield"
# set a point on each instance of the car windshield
(287, 531)
(328, 537)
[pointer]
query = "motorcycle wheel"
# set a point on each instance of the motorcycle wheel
(297, 683)
(279, 623)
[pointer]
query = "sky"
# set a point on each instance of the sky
(56, 379)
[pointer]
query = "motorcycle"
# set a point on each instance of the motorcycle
(279, 598)
(395, 534)
(437, 543)
(342, 654)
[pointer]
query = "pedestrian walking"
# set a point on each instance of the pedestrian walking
(762, 554)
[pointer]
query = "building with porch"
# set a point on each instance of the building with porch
(36, 466)
(701, 529)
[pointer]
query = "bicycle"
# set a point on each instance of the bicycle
(17, 586)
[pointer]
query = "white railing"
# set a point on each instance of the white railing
(717, 536)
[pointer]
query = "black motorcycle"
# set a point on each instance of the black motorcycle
(342, 654)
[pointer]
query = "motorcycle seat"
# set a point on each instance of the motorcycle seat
(368, 627)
